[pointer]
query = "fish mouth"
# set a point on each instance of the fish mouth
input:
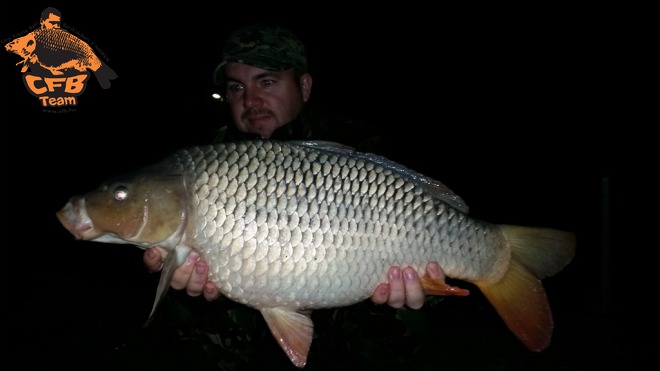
(74, 218)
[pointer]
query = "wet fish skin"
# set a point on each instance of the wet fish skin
(288, 227)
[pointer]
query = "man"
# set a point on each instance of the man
(267, 85)
(50, 18)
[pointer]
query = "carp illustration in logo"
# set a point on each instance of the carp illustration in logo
(59, 61)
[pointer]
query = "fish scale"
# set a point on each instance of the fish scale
(293, 242)
(288, 227)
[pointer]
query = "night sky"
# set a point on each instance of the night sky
(505, 106)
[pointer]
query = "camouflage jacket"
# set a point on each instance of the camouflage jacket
(312, 125)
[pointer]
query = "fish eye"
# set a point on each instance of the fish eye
(121, 192)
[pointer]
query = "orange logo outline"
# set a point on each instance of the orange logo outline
(56, 63)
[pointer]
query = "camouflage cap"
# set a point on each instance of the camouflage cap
(271, 48)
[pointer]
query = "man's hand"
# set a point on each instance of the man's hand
(404, 287)
(191, 275)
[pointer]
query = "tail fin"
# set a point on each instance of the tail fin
(104, 74)
(519, 296)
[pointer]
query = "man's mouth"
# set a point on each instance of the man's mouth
(258, 116)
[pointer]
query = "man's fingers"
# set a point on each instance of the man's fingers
(152, 259)
(414, 292)
(182, 273)
(381, 294)
(434, 271)
(197, 278)
(191, 275)
(397, 289)
(211, 292)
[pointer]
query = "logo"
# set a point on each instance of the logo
(57, 64)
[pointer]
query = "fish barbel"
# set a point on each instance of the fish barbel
(288, 227)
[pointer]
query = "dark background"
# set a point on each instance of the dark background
(512, 108)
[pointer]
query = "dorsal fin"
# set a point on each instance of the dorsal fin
(433, 186)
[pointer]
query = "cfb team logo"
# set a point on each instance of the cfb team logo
(57, 64)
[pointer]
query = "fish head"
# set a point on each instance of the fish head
(23, 46)
(144, 208)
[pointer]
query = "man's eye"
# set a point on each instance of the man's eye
(234, 88)
(267, 82)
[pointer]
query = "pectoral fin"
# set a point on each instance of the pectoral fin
(171, 263)
(293, 330)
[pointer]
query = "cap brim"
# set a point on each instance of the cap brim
(260, 61)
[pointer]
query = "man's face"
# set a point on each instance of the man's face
(52, 21)
(262, 101)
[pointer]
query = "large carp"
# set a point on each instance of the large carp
(288, 227)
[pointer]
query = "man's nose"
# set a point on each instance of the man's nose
(252, 98)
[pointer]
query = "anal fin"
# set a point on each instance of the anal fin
(293, 330)
(435, 286)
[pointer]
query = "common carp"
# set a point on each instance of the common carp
(289, 227)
